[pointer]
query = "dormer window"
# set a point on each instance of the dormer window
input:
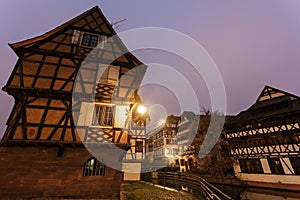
(89, 40)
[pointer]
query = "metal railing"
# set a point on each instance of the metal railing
(192, 183)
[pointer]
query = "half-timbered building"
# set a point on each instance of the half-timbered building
(74, 87)
(187, 128)
(161, 146)
(265, 140)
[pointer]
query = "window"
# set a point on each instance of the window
(168, 151)
(273, 140)
(103, 115)
(250, 165)
(256, 142)
(275, 165)
(173, 132)
(173, 125)
(283, 139)
(296, 138)
(139, 146)
(296, 164)
(182, 162)
(255, 166)
(93, 167)
(89, 40)
(243, 165)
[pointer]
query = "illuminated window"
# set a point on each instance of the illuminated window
(89, 40)
(93, 167)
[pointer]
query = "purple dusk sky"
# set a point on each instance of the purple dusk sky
(254, 43)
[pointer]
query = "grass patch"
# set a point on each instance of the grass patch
(143, 191)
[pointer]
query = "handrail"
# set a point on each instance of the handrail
(197, 183)
(212, 186)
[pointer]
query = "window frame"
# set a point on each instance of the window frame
(139, 147)
(78, 39)
(105, 115)
(252, 166)
(93, 167)
(106, 118)
(90, 40)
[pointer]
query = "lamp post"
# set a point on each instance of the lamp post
(135, 157)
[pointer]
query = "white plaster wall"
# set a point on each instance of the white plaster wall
(132, 171)
(265, 165)
(287, 166)
(259, 196)
(270, 178)
(236, 167)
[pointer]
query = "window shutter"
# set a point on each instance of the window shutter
(102, 40)
(76, 37)
(86, 114)
(120, 116)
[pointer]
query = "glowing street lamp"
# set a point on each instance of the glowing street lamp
(142, 109)
(139, 114)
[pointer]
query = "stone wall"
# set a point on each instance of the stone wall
(37, 172)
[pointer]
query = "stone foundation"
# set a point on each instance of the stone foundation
(37, 172)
